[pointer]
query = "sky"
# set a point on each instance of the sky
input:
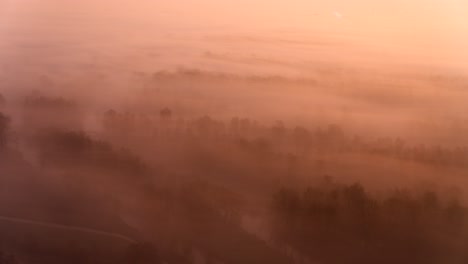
(435, 29)
(360, 13)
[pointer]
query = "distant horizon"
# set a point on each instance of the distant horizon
(434, 31)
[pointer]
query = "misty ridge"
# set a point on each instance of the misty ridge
(168, 173)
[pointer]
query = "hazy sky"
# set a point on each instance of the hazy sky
(428, 27)
(427, 15)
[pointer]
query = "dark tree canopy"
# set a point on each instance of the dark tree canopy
(166, 113)
(50, 102)
(4, 124)
(345, 224)
(7, 258)
(2, 100)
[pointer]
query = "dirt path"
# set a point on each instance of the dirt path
(66, 227)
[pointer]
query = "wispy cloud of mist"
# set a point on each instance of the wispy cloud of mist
(189, 128)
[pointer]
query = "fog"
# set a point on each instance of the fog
(233, 131)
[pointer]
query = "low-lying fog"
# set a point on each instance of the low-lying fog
(233, 132)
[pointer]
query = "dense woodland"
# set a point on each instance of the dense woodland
(160, 187)
(334, 223)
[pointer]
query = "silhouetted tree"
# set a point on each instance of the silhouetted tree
(166, 114)
(234, 125)
(279, 130)
(2, 101)
(344, 224)
(4, 124)
(7, 258)
(303, 139)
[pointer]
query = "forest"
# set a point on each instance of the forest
(166, 187)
